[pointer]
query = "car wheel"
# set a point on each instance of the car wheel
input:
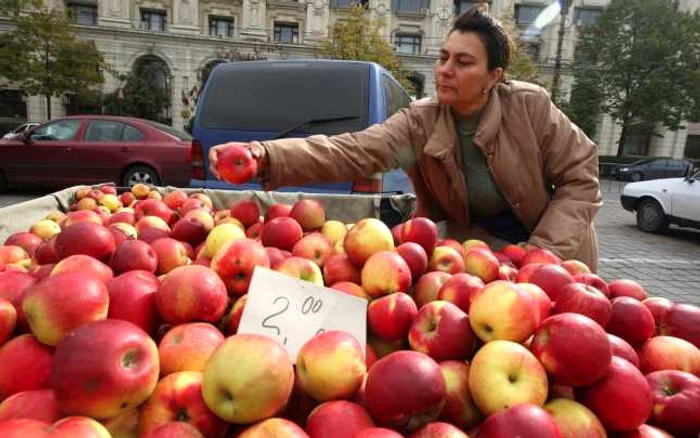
(651, 217)
(636, 177)
(140, 174)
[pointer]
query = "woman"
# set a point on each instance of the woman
(483, 152)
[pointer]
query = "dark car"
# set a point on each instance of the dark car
(653, 168)
(93, 149)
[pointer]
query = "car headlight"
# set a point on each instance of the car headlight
(625, 169)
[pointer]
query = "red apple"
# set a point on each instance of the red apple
(515, 253)
(575, 267)
(314, 246)
(507, 273)
(236, 165)
(132, 297)
(390, 317)
(623, 349)
(522, 421)
(593, 280)
(405, 390)
(428, 286)
(301, 268)
(171, 254)
(482, 263)
(246, 211)
(526, 271)
(25, 240)
(621, 399)
(86, 238)
(378, 432)
(541, 299)
(570, 358)
(659, 308)
(178, 397)
(175, 199)
(502, 310)
(104, 368)
(460, 290)
(574, 419)
(441, 330)
(231, 321)
(415, 257)
(438, 429)
(385, 272)
(669, 353)
(631, 320)
(46, 252)
(282, 232)
(338, 419)
(551, 278)
(627, 288)
(452, 243)
(585, 300)
(277, 210)
(25, 364)
(338, 267)
(459, 408)
(277, 256)
(13, 287)
(62, 302)
(153, 207)
(309, 213)
(81, 263)
(134, 255)
(191, 293)
(8, 320)
(540, 255)
(683, 321)
(351, 288)
(644, 431)
(446, 259)
(422, 231)
(396, 231)
(150, 228)
(187, 347)
(235, 263)
(365, 238)
(274, 427)
(193, 228)
(35, 404)
(676, 399)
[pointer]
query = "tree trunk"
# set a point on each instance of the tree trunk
(48, 107)
(621, 141)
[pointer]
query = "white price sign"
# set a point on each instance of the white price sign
(292, 311)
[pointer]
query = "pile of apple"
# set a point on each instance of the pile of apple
(119, 318)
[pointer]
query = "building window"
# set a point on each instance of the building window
(348, 3)
(85, 15)
(407, 43)
(533, 50)
(462, 6)
(153, 20)
(587, 16)
(12, 104)
(692, 147)
(527, 14)
(415, 6)
(221, 27)
(287, 33)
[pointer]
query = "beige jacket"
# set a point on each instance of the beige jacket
(545, 165)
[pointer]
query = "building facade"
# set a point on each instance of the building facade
(187, 37)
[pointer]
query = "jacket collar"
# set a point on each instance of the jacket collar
(444, 137)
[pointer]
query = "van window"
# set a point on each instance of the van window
(274, 97)
(396, 98)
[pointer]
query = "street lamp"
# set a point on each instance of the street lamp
(556, 80)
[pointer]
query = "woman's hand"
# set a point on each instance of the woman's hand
(256, 150)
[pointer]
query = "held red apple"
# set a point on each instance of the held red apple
(178, 397)
(338, 419)
(8, 320)
(338, 267)
(573, 349)
(25, 364)
(631, 320)
(187, 347)
(438, 429)
(627, 288)
(63, 302)
(482, 263)
(390, 317)
(441, 330)
(459, 408)
(504, 374)
(623, 349)
(314, 246)
(415, 257)
(460, 290)
(669, 353)
(621, 399)
(191, 293)
(236, 165)
(574, 420)
(36, 404)
(501, 310)
(676, 399)
(384, 273)
(274, 427)
(523, 421)
(235, 263)
(282, 232)
(422, 231)
(365, 238)
(104, 368)
(258, 389)
(405, 390)
(246, 211)
(132, 255)
(85, 264)
(445, 259)
(132, 297)
(551, 278)
(309, 213)
(585, 300)
(427, 288)
(86, 238)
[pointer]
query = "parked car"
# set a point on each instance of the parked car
(266, 100)
(21, 129)
(661, 202)
(93, 149)
(653, 168)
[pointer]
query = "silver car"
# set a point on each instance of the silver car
(19, 130)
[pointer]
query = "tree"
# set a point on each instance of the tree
(522, 65)
(359, 38)
(141, 95)
(44, 58)
(641, 57)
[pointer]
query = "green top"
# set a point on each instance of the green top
(485, 198)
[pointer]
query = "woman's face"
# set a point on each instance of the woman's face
(462, 73)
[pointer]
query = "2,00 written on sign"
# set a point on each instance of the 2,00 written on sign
(292, 311)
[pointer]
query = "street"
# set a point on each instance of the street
(666, 265)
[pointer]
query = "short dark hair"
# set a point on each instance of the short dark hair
(498, 42)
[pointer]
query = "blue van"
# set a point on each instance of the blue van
(266, 100)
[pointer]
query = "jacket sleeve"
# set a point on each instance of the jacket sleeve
(321, 158)
(570, 166)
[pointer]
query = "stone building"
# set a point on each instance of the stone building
(187, 37)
